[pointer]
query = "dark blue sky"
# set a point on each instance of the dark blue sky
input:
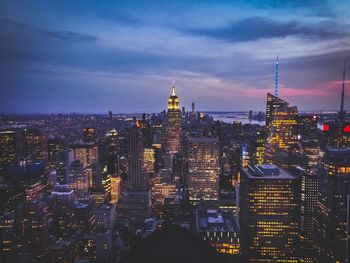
(95, 56)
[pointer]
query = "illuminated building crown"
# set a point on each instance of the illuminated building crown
(173, 101)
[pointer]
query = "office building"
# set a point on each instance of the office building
(87, 153)
(333, 205)
(77, 178)
(54, 145)
(282, 129)
(31, 221)
(136, 180)
(115, 188)
(203, 169)
(218, 227)
(269, 214)
(7, 148)
(160, 189)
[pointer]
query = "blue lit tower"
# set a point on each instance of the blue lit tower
(276, 84)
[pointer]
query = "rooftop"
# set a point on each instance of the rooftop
(215, 220)
(267, 171)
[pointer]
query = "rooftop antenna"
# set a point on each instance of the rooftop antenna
(342, 94)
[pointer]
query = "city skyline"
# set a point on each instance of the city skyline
(67, 57)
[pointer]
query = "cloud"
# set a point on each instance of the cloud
(255, 28)
(11, 28)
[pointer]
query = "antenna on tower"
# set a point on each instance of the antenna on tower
(276, 84)
(342, 94)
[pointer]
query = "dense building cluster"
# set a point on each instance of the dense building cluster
(87, 188)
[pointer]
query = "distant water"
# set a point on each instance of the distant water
(229, 117)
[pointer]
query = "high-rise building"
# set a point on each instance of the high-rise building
(63, 210)
(203, 169)
(149, 160)
(115, 189)
(146, 131)
(34, 144)
(173, 209)
(63, 250)
(112, 148)
(32, 228)
(85, 152)
(7, 237)
(160, 189)
(269, 214)
(62, 164)
(219, 228)
(89, 135)
(282, 128)
(307, 127)
(273, 103)
(105, 216)
(7, 147)
(54, 145)
(308, 206)
(333, 206)
(258, 148)
(77, 178)
(133, 209)
(174, 123)
(136, 180)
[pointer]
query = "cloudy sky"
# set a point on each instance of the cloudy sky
(94, 56)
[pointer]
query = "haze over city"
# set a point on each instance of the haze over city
(89, 56)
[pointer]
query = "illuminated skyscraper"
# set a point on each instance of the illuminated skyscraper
(87, 153)
(7, 147)
(203, 169)
(34, 143)
(282, 129)
(272, 104)
(269, 214)
(149, 160)
(308, 207)
(54, 145)
(160, 189)
(174, 123)
(258, 148)
(112, 151)
(135, 177)
(333, 206)
(115, 189)
(77, 178)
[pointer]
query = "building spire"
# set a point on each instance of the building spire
(342, 94)
(276, 81)
(173, 89)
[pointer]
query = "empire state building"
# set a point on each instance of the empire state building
(174, 123)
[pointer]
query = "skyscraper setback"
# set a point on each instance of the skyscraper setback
(281, 125)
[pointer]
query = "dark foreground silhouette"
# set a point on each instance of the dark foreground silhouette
(173, 244)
